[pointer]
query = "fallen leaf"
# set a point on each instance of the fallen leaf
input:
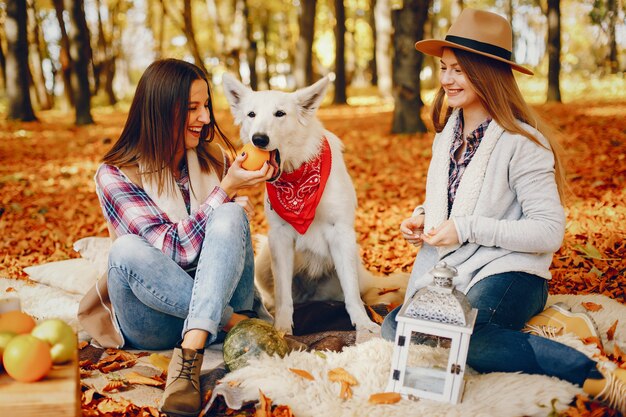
(591, 306)
(135, 378)
(82, 345)
(114, 386)
(385, 398)
(384, 291)
(374, 315)
(301, 372)
(282, 411)
(265, 406)
(341, 375)
(159, 361)
(88, 396)
(611, 332)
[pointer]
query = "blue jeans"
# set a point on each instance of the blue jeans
(156, 301)
(505, 302)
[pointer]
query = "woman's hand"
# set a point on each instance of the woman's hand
(244, 202)
(237, 178)
(444, 235)
(412, 229)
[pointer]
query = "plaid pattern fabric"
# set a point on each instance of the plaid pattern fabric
(458, 167)
(129, 210)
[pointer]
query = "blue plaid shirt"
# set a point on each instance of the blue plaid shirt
(457, 167)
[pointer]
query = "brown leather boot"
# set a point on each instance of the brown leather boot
(182, 390)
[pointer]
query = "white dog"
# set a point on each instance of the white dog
(312, 252)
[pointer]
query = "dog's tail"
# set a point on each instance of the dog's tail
(381, 289)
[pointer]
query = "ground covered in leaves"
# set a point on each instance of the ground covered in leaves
(47, 198)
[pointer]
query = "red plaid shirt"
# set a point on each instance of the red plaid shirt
(457, 168)
(129, 210)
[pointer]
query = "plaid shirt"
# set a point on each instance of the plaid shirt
(457, 168)
(129, 210)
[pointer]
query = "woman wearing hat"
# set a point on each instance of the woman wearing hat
(493, 208)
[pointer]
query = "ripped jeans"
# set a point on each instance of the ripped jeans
(156, 301)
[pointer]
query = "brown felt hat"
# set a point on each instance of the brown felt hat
(477, 31)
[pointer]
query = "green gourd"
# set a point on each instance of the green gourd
(248, 339)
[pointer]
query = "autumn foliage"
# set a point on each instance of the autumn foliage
(47, 198)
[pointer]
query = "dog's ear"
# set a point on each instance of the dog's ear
(234, 92)
(310, 98)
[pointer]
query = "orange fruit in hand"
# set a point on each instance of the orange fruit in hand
(26, 358)
(17, 322)
(256, 157)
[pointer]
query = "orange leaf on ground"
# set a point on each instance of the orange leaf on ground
(385, 398)
(375, 316)
(611, 332)
(590, 306)
(265, 406)
(301, 372)
(384, 291)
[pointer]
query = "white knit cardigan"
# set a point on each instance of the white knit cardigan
(507, 210)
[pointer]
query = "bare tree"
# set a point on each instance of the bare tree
(372, 64)
(304, 47)
(340, 53)
(64, 55)
(252, 49)
(407, 64)
(36, 53)
(382, 15)
(554, 50)
(20, 106)
(80, 51)
(3, 62)
(186, 26)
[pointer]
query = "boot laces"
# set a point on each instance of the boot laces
(187, 367)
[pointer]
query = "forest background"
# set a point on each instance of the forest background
(68, 69)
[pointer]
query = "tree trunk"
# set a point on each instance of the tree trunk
(3, 67)
(340, 53)
(510, 17)
(44, 99)
(382, 14)
(372, 64)
(612, 17)
(265, 29)
(80, 51)
(191, 35)
(408, 23)
(251, 50)
(20, 106)
(105, 62)
(303, 70)
(554, 50)
(64, 55)
(218, 30)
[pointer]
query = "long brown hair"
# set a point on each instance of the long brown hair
(156, 123)
(499, 94)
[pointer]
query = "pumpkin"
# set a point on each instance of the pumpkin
(249, 339)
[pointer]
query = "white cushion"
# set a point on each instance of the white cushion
(96, 250)
(73, 275)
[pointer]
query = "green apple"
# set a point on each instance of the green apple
(5, 337)
(60, 336)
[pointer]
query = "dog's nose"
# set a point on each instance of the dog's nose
(260, 140)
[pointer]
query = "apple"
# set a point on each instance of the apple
(61, 338)
(5, 337)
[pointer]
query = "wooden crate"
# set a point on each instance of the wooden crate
(58, 394)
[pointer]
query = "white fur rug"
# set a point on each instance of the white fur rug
(495, 394)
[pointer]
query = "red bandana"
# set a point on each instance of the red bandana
(295, 195)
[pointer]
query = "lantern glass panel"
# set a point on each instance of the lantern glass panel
(427, 362)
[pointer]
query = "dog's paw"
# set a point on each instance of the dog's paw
(284, 325)
(370, 326)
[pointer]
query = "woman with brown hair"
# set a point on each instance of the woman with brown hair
(493, 210)
(181, 266)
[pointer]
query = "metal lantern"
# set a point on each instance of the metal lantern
(432, 338)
